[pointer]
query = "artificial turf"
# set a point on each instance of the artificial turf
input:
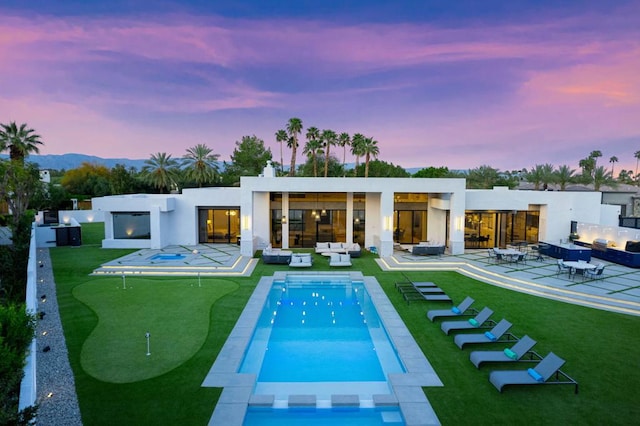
(601, 348)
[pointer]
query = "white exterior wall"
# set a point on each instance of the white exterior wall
(81, 216)
(617, 234)
(174, 218)
(557, 208)
(610, 214)
(184, 224)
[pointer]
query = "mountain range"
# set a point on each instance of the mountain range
(72, 161)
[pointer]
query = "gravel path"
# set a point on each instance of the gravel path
(55, 382)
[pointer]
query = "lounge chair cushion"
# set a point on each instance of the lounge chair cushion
(535, 375)
(490, 336)
(455, 310)
(510, 354)
(334, 258)
(345, 258)
(296, 259)
(322, 246)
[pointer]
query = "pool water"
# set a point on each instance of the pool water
(320, 330)
(167, 256)
(322, 417)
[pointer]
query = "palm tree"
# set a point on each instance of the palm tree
(357, 145)
(344, 140)
(613, 160)
(535, 176)
(588, 165)
(547, 175)
(201, 164)
(595, 155)
(370, 150)
(294, 128)
(313, 145)
(626, 177)
(637, 156)
(281, 136)
(160, 171)
(564, 175)
(21, 141)
(483, 177)
(602, 177)
(330, 138)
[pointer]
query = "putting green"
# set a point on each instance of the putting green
(175, 312)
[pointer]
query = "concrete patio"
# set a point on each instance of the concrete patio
(618, 291)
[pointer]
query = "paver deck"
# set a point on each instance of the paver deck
(201, 259)
(618, 291)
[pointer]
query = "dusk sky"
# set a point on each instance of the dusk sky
(509, 84)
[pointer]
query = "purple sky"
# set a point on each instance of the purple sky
(458, 84)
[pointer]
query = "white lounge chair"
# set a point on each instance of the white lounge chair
(301, 260)
(336, 259)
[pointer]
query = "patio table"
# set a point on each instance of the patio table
(510, 254)
(578, 266)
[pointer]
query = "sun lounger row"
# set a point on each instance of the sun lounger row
(425, 290)
(546, 371)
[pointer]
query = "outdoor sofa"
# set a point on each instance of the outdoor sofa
(337, 259)
(354, 250)
(276, 256)
(301, 260)
(428, 249)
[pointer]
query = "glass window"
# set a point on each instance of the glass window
(221, 225)
(132, 225)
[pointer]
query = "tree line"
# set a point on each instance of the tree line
(325, 154)
(19, 181)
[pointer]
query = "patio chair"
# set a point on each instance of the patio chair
(404, 285)
(301, 260)
(540, 248)
(462, 309)
(562, 268)
(547, 368)
(476, 322)
(521, 258)
(495, 335)
(595, 274)
(492, 255)
(339, 259)
(427, 292)
(513, 354)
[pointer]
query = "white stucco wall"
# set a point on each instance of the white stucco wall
(616, 234)
(174, 218)
(557, 208)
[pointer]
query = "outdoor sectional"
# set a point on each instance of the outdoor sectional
(276, 256)
(354, 250)
(428, 250)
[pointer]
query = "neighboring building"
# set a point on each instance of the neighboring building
(298, 212)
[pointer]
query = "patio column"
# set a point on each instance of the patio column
(349, 219)
(386, 231)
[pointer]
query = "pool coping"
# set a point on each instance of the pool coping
(237, 394)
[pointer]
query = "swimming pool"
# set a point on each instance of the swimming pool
(370, 401)
(388, 416)
(320, 335)
(167, 256)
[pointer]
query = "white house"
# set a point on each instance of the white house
(298, 212)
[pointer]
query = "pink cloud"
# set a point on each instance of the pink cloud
(575, 87)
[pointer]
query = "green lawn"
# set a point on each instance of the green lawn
(105, 325)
